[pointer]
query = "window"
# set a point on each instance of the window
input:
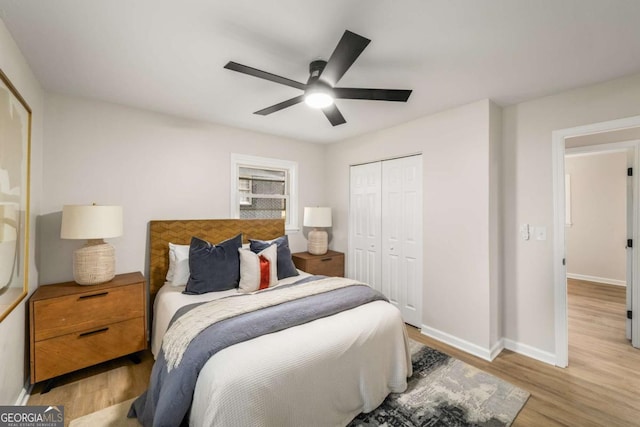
(264, 188)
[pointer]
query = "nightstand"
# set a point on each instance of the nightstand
(73, 326)
(329, 264)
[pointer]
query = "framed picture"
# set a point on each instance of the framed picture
(15, 153)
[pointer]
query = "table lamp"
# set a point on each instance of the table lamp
(95, 262)
(318, 240)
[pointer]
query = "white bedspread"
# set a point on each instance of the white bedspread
(322, 373)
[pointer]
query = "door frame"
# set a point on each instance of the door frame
(559, 239)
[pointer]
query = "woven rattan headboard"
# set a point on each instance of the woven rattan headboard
(212, 230)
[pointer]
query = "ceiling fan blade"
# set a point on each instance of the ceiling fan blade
(399, 95)
(334, 115)
(280, 106)
(234, 66)
(347, 51)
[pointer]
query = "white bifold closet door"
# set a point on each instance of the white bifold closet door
(386, 231)
(364, 224)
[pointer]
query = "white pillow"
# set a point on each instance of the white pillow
(178, 273)
(250, 268)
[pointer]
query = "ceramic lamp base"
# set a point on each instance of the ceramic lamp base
(94, 263)
(318, 243)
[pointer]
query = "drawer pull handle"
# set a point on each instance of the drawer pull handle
(326, 259)
(97, 331)
(101, 294)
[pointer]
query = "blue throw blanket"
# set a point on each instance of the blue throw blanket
(168, 398)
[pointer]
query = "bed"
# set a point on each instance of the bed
(318, 373)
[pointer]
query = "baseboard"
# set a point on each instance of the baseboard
(529, 351)
(489, 354)
(23, 398)
(597, 279)
(496, 349)
(460, 344)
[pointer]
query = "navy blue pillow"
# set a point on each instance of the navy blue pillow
(213, 267)
(286, 267)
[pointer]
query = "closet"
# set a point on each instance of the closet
(385, 231)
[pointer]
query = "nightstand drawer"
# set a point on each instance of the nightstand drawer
(327, 266)
(330, 264)
(78, 350)
(87, 310)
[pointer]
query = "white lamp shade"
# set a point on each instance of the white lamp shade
(317, 217)
(91, 222)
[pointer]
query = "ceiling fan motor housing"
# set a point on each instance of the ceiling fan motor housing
(315, 69)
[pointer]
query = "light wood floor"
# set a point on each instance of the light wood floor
(601, 386)
(88, 390)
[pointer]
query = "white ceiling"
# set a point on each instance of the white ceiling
(168, 56)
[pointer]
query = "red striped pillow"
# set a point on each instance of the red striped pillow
(258, 271)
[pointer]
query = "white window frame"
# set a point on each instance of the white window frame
(291, 167)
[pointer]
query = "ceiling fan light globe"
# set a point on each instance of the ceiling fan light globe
(318, 100)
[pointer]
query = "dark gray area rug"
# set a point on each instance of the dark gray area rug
(443, 391)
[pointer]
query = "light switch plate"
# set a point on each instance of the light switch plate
(541, 233)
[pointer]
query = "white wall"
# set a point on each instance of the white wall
(596, 239)
(495, 222)
(155, 166)
(528, 197)
(456, 172)
(13, 356)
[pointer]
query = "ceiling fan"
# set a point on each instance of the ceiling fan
(320, 90)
